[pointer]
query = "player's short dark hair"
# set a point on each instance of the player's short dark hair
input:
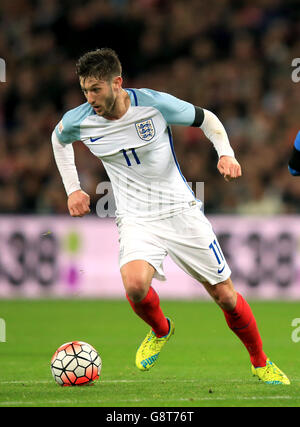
(102, 64)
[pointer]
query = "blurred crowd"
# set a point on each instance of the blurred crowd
(231, 57)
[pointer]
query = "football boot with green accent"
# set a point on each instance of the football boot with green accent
(150, 348)
(270, 374)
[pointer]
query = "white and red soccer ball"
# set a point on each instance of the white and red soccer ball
(75, 363)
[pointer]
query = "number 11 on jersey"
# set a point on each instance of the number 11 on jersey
(128, 159)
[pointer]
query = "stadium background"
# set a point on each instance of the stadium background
(228, 56)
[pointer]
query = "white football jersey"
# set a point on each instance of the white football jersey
(137, 152)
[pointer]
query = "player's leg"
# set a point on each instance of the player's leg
(137, 276)
(197, 251)
(241, 321)
(239, 318)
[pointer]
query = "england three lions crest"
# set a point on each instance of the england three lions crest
(145, 129)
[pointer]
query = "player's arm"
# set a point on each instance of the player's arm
(179, 112)
(78, 200)
(294, 161)
(213, 129)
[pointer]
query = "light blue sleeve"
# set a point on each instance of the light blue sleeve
(68, 129)
(174, 110)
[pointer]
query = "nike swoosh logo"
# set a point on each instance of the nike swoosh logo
(95, 139)
(220, 271)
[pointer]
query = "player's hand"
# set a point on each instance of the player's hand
(79, 203)
(229, 167)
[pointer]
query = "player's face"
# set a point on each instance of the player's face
(101, 94)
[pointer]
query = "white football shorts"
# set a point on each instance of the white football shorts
(187, 237)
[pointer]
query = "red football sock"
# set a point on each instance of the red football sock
(242, 322)
(149, 310)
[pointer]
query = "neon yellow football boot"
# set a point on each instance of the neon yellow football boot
(270, 374)
(150, 348)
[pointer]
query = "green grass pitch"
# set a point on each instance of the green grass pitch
(204, 363)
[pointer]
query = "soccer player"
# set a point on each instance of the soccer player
(157, 213)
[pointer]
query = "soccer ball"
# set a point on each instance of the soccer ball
(75, 363)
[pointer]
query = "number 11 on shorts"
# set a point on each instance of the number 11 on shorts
(218, 254)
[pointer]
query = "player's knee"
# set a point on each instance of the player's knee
(227, 302)
(226, 299)
(223, 294)
(136, 287)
